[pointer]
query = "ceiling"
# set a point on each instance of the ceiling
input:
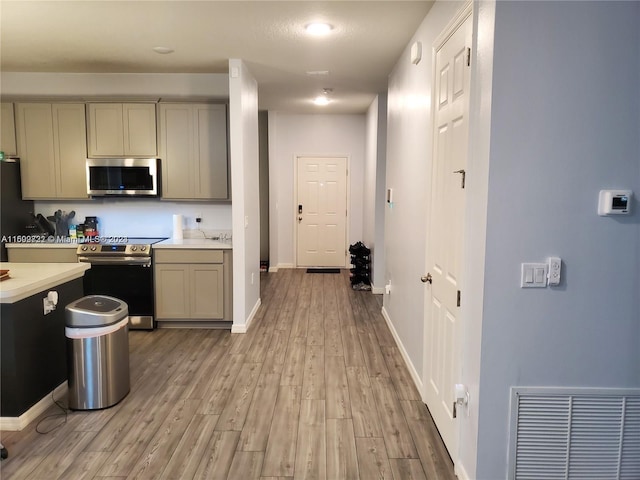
(118, 37)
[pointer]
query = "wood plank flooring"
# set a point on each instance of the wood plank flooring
(317, 389)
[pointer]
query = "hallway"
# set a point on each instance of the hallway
(316, 389)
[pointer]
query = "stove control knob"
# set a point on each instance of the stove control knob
(84, 248)
(93, 248)
(143, 248)
(134, 248)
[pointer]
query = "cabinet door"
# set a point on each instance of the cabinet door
(106, 131)
(139, 123)
(70, 146)
(8, 132)
(207, 299)
(172, 290)
(35, 141)
(211, 152)
(176, 150)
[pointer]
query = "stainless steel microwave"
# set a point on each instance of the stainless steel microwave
(122, 176)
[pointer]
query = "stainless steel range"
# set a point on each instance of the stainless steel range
(121, 267)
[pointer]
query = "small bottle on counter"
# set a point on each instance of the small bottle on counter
(72, 232)
(80, 232)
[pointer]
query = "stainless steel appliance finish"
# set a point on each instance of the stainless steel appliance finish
(122, 268)
(122, 176)
(97, 351)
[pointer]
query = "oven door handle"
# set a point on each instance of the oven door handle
(144, 261)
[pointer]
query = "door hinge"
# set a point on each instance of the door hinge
(468, 56)
(458, 299)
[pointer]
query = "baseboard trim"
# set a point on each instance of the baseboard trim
(377, 290)
(285, 265)
(244, 328)
(15, 424)
(405, 356)
(460, 472)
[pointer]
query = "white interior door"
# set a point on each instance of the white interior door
(443, 334)
(321, 211)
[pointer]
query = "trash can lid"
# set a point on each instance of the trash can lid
(95, 311)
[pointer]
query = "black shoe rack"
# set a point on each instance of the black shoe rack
(361, 266)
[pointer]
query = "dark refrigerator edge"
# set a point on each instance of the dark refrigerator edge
(16, 214)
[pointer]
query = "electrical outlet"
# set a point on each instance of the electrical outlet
(49, 302)
(252, 277)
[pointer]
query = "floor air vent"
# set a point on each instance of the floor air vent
(579, 434)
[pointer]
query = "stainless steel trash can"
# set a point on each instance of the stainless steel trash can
(97, 331)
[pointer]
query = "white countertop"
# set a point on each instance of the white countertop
(194, 243)
(43, 244)
(27, 279)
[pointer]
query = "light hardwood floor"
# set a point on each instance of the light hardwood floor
(317, 389)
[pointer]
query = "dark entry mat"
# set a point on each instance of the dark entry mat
(323, 270)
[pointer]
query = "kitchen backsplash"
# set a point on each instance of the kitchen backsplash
(145, 218)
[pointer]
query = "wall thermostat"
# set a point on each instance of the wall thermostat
(614, 202)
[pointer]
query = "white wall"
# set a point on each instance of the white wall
(565, 118)
(476, 228)
(243, 152)
(293, 135)
(374, 188)
(409, 152)
(96, 85)
(141, 217)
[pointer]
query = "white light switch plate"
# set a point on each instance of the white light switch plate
(534, 275)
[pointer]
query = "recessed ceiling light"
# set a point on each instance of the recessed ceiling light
(318, 28)
(163, 50)
(321, 100)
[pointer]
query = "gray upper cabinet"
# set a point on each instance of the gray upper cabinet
(122, 129)
(8, 132)
(52, 145)
(193, 151)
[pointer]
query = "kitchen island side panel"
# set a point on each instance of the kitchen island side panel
(33, 348)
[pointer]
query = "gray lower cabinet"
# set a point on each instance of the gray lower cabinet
(41, 254)
(192, 285)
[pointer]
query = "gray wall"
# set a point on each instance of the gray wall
(565, 123)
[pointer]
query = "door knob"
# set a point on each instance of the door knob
(426, 278)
